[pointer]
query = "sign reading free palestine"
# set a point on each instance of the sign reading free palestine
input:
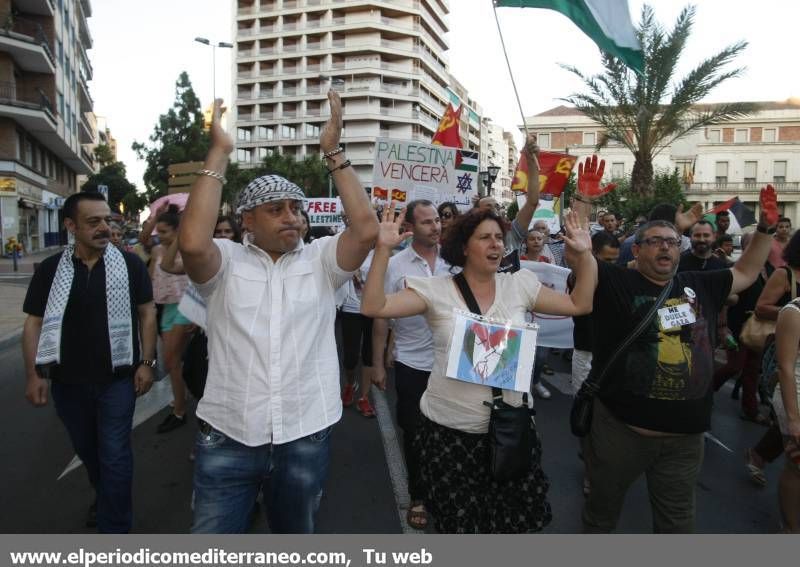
(406, 170)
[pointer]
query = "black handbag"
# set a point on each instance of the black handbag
(580, 416)
(512, 430)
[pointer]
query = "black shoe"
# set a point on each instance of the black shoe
(91, 516)
(171, 422)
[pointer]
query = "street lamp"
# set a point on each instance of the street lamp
(214, 46)
(488, 177)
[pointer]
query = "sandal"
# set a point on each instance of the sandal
(547, 371)
(417, 519)
(755, 472)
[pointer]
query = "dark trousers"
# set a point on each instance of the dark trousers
(746, 363)
(410, 384)
(99, 418)
(356, 339)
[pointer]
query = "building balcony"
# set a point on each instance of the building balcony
(34, 112)
(87, 104)
(85, 133)
(87, 8)
(742, 187)
(38, 7)
(83, 28)
(28, 45)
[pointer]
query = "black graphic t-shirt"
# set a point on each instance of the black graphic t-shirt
(664, 380)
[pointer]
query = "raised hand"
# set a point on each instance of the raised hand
(332, 131)
(390, 232)
(589, 176)
(686, 220)
(219, 137)
(769, 206)
(578, 238)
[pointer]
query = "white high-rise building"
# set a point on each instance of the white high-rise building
(385, 58)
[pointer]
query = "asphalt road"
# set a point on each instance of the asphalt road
(361, 495)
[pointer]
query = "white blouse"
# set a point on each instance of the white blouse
(449, 402)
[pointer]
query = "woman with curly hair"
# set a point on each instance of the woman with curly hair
(452, 440)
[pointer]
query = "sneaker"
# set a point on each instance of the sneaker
(365, 407)
(91, 515)
(171, 422)
(541, 391)
(348, 395)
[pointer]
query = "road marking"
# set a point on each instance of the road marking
(147, 406)
(713, 439)
(394, 458)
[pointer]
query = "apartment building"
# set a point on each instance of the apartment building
(386, 58)
(498, 155)
(46, 120)
(734, 158)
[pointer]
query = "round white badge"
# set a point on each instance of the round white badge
(690, 294)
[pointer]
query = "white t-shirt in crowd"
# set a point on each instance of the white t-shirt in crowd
(352, 290)
(273, 373)
(413, 342)
(450, 402)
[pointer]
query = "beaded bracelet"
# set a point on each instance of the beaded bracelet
(330, 154)
(208, 173)
(344, 164)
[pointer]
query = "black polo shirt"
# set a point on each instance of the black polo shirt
(85, 350)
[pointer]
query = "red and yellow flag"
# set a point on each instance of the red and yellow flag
(554, 171)
(447, 133)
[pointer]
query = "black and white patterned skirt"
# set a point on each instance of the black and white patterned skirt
(461, 494)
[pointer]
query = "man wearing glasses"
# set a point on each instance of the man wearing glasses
(655, 403)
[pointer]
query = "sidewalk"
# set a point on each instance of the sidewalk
(25, 264)
(12, 318)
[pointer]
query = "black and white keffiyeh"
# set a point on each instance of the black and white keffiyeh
(265, 189)
(118, 304)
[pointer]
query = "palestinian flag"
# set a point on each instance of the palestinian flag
(739, 214)
(447, 133)
(606, 22)
(554, 171)
(466, 160)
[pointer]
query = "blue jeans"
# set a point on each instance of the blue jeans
(99, 418)
(541, 359)
(228, 476)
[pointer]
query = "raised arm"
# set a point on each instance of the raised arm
(358, 238)
(201, 258)
(170, 262)
(590, 174)
(374, 301)
(746, 270)
(525, 214)
(584, 266)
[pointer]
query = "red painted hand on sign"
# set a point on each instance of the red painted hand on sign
(769, 205)
(589, 176)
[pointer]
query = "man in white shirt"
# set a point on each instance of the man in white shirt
(413, 342)
(272, 392)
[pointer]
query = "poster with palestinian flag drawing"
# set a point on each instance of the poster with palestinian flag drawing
(491, 353)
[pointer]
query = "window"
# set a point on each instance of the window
(588, 139)
(265, 133)
(768, 135)
(721, 172)
(60, 102)
(779, 172)
(288, 132)
(750, 168)
(244, 134)
(544, 140)
(617, 170)
(60, 51)
(740, 136)
(264, 153)
(244, 155)
(312, 131)
(715, 136)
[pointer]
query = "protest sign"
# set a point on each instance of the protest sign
(406, 170)
(324, 212)
(554, 331)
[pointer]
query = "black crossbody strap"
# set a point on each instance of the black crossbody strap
(593, 382)
(472, 304)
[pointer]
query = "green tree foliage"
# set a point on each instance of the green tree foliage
(646, 113)
(667, 188)
(179, 136)
(113, 175)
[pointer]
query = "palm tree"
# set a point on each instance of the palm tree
(631, 107)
